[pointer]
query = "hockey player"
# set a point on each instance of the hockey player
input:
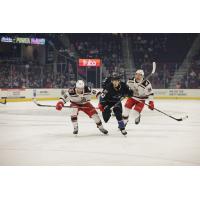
(111, 98)
(106, 82)
(142, 90)
(80, 97)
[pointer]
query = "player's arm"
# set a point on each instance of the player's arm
(105, 82)
(103, 99)
(150, 94)
(149, 91)
(104, 96)
(65, 96)
(89, 90)
(63, 99)
(128, 91)
(130, 83)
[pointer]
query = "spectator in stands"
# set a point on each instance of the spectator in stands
(178, 85)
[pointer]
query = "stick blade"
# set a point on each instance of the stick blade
(154, 68)
(183, 118)
(35, 101)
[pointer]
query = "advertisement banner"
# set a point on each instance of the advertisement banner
(23, 40)
(89, 62)
(14, 93)
(177, 93)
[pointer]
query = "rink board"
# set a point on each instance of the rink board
(24, 95)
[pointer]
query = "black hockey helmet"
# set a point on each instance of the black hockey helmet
(115, 76)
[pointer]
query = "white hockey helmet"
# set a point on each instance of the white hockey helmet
(80, 84)
(140, 71)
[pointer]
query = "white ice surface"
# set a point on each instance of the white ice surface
(31, 135)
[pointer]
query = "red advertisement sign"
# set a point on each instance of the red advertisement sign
(90, 62)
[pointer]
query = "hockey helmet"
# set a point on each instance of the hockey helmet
(115, 76)
(80, 84)
(140, 71)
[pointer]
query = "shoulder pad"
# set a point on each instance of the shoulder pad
(145, 83)
(87, 89)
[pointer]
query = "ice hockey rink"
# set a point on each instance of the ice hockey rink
(32, 135)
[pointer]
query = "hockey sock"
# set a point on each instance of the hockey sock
(121, 125)
(126, 114)
(74, 121)
(136, 114)
(118, 113)
(97, 120)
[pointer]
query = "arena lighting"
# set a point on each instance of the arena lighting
(40, 41)
(22, 40)
(7, 39)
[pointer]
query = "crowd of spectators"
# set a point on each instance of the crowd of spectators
(21, 76)
(45, 77)
(192, 78)
(147, 48)
(107, 47)
(168, 51)
(163, 74)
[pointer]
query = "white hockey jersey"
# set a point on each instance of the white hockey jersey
(142, 90)
(73, 97)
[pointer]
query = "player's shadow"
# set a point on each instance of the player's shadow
(147, 136)
(137, 134)
(71, 135)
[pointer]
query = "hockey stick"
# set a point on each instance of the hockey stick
(52, 106)
(153, 70)
(151, 74)
(177, 119)
(160, 111)
(4, 101)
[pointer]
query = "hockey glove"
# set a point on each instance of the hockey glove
(59, 105)
(151, 105)
(101, 108)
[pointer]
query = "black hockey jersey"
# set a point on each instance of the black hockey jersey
(111, 94)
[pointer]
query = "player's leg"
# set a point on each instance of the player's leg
(117, 109)
(137, 110)
(127, 108)
(98, 122)
(106, 113)
(92, 113)
(74, 119)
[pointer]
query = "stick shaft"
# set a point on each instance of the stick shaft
(52, 106)
(160, 111)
